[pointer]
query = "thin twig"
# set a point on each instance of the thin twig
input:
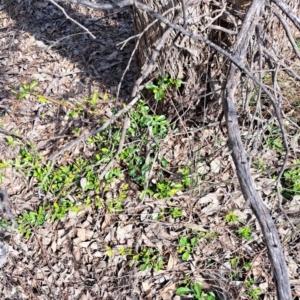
(69, 18)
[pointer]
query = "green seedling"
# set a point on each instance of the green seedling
(61, 208)
(159, 216)
(274, 140)
(162, 85)
(239, 267)
(252, 291)
(11, 141)
(112, 174)
(164, 162)
(247, 265)
(25, 89)
(245, 232)
(76, 131)
(109, 251)
(231, 217)
(3, 223)
(167, 189)
(234, 262)
(148, 258)
(275, 143)
(195, 291)
(187, 244)
(186, 247)
(115, 205)
(141, 120)
(146, 192)
(77, 111)
(291, 181)
(186, 180)
(175, 212)
(31, 219)
(126, 252)
(93, 101)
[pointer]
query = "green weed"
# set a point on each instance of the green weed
(231, 217)
(274, 140)
(31, 219)
(167, 189)
(291, 181)
(186, 247)
(25, 89)
(252, 291)
(93, 101)
(175, 212)
(81, 175)
(245, 232)
(10, 141)
(163, 83)
(148, 258)
(195, 291)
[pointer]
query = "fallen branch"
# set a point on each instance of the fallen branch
(239, 155)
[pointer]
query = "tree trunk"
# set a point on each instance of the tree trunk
(201, 68)
(181, 57)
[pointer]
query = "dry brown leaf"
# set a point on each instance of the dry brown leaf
(215, 165)
(213, 203)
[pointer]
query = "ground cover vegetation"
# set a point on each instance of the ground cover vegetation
(149, 207)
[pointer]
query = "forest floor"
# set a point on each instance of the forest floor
(167, 220)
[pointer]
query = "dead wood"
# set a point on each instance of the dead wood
(241, 160)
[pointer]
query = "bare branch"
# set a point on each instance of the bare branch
(241, 162)
(74, 21)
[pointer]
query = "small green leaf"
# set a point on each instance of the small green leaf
(183, 291)
(194, 241)
(95, 97)
(183, 241)
(159, 95)
(33, 85)
(178, 83)
(109, 251)
(185, 256)
(164, 162)
(22, 95)
(151, 86)
(143, 267)
(43, 99)
(105, 97)
(197, 289)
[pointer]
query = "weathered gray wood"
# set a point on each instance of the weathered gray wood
(239, 155)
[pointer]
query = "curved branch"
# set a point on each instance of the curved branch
(239, 155)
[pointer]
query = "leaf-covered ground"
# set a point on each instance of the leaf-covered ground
(167, 220)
